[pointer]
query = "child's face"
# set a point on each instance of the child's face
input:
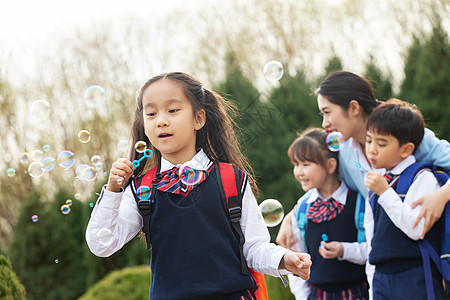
(384, 151)
(169, 120)
(310, 174)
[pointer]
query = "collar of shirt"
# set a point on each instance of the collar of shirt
(398, 169)
(340, 195)
(199, 162)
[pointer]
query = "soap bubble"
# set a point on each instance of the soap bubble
(37, 155)
(11, 172)
(34, 218)
(94, 96)
(91, 204)
(36, 169)
(273, 70)
(24, 157)
(272, 212)
(66, 159)
(143, 192)
(65, 209)
(105, 236)
(84, 136)
(49, 163)
(46, 148)
(96, 159)
(40, 109)
(122, 145)
(85, 172)
(188, 173)
(140, 146)
(69, 202)
(334, 140)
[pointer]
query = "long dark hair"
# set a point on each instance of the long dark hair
(217, 137)
(311, 145)
(341, 87)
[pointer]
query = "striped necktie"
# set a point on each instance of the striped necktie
(320, 211)
(171, 182)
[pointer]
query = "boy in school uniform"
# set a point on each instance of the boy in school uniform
(394, 130)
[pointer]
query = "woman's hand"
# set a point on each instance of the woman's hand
(121, 171)
(297, 263)
(331, 250)
(284, 237)
(432, 207)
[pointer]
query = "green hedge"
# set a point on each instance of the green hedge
(134, 283)
(276, 289)
(128, 283)
(10, 286)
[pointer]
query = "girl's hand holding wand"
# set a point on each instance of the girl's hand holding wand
(121, 171)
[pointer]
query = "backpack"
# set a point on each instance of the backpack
(231, 180)
(442, 260)
(302, 220)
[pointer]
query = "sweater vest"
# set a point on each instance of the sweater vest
(392, 250)
(334, 274)
(195, 254)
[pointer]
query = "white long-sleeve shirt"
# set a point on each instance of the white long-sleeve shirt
(353, 252)
(115, 220)
(400, 212)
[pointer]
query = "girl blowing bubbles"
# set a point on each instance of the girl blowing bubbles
(195, 254)
(329, 206)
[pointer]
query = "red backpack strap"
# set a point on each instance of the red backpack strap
(145, 206)
(229, 179)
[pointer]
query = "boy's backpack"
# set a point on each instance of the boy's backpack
(302, 220)
(232, 182)
(442, 261)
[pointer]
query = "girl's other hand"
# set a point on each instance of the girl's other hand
(284, 237)
(121, 171)
(331, 249)
(297, 263)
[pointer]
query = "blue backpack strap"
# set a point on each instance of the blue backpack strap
(408, 176)
(426, 250)
(301, 213)
(359, 217)
(145, 206)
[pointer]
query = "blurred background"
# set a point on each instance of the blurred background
(69, 73)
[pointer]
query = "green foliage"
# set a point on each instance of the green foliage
(381, 84)
(129, 283)
(334, 64)
(268, 128)
(276, 289)
(10, 286)
(48, 254)
(427, 77)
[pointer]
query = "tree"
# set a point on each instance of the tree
(427, 77)
(269, 124)
(381, 83)
(48, 252)
(10, 286)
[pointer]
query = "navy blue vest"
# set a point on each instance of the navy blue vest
(195, 254)
(333, 274)
(392, 250)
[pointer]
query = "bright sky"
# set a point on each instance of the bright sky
(24, 21)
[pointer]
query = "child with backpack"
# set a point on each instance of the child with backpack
(402, 266)
(324, 223)
(197, 251)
